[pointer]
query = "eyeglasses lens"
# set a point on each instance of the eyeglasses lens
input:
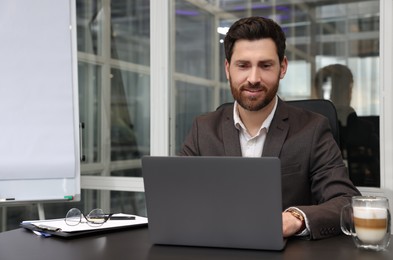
(96, 217)
(73, 217)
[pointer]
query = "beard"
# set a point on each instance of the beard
(253, 103)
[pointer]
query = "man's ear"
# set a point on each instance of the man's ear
(227, 68)
(283, 67)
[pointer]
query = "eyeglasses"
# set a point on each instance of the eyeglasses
(95, 218)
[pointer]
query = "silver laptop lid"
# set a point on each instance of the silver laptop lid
(230, 202)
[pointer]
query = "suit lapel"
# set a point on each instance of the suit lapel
(275, 137)
(230, 134)
(277, 132)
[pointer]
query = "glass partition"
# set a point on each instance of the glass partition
(114, 81)
(90, 111)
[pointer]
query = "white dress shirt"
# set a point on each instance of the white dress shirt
(252, 146)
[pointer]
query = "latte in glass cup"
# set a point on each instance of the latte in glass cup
(370, 224)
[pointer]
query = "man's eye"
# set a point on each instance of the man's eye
(242, 65)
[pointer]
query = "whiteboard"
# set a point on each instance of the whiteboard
(39, 115)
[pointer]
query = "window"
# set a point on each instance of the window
(319, 34)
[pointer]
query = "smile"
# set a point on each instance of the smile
(253, 90)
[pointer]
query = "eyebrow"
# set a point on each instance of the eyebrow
(260, 61)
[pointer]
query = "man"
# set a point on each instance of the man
(315, 183)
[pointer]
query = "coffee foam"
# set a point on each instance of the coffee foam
(370, 213)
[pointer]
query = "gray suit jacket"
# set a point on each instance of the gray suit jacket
(314, 177)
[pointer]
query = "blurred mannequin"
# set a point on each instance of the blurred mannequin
(335, 82)
(359, 138)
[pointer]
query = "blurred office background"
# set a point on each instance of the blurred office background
(114, 69)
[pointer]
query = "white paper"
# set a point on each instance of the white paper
(62, 225)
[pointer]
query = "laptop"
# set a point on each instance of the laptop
(230, 202)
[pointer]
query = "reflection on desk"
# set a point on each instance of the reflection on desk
(134, 244)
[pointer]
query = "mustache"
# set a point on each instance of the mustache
(255, 87)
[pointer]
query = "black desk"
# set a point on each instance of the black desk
(21, 244)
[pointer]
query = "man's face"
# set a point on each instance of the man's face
(254, 73)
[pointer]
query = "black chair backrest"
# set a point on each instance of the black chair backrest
(323, 107)
(320, 106)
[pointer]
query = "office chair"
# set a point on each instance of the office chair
(323, 107)
(320, 106)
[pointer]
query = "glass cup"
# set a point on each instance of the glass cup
(367, 220)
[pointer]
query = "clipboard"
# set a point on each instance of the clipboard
(58, 227)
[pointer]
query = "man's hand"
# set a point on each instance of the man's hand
(290, 224)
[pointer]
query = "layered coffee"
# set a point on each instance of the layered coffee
(370, 223)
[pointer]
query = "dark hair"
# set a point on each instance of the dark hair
(341, 82)
(255, 28)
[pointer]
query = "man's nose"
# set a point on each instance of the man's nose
(254, 76)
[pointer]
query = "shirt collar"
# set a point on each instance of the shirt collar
(266, 124)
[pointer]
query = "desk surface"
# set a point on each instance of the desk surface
(134, 244)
